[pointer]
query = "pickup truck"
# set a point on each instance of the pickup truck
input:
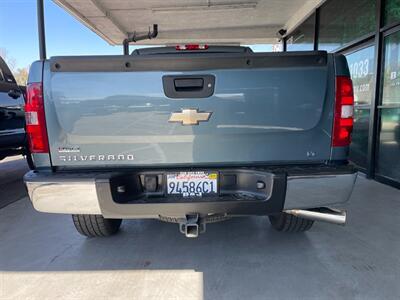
(12, 118)
(192, 134)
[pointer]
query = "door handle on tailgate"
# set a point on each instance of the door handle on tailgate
(188, 86)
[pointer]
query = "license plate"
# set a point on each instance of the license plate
(192, 184)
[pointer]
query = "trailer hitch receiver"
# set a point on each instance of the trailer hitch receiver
(192, 225)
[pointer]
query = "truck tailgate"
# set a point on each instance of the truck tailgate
(114, 110)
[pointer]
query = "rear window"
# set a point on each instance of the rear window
(265, 47)
(183, 50)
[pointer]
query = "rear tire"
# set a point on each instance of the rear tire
(96, 225)
(28, 156)
(29, 160)
(289, 223)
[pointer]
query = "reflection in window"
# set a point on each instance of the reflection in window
(261, 47)
(388, 163)
(361, 65)
(391, 74)
(391, 13)
(302, 38)
(342, 21)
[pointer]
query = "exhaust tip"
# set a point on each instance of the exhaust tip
(324, 214)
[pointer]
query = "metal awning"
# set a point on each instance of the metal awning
(191, 21)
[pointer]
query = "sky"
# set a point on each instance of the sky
(64, 34)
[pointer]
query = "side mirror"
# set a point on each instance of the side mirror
(15, 94)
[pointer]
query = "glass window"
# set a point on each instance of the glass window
(261, 47)
(342, 21)
(1, 76)
(302, 38)
(391, 74)
(388, 162)
(391, 13)
(359, 139)
(361, 65)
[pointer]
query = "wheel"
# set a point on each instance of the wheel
(289, 223)
(28, 155)
(29, 160)
(95, 225)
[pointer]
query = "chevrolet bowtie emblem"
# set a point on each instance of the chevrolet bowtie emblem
(189, 117)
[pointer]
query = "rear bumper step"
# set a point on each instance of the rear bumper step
(97, 193)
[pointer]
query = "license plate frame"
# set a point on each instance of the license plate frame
(192, 184)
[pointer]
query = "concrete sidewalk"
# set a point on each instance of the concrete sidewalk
(42, 256)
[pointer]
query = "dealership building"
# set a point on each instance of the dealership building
(367, 32)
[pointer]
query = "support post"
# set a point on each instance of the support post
(41, 31)
(284, 44)
(374, 115)
(126, 46)
(316, 29)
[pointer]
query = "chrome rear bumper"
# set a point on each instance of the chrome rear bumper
(78, 193)
(62, 193)
(318, 190)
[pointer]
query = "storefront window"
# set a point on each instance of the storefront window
(391, 12)
(302, 39)
(361, 65)
(343, 21)
(388, 162)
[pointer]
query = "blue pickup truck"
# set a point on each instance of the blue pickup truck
(191, 134)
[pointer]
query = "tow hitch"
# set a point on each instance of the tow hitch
(192, 226)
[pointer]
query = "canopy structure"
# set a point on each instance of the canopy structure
(191, 21)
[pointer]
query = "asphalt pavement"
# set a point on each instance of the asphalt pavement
(43, 257)
(12, 169)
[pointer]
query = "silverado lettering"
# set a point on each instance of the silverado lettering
(99, 157)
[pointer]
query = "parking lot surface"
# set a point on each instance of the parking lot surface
(11, 186)
(43, 257)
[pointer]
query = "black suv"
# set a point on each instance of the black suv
(12, 119)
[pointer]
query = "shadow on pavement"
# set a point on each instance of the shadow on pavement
(12, 188)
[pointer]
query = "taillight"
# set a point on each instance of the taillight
(344, 111)
(35, 119)
(191, 47)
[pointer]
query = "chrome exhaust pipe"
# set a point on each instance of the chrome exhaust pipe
(324, 215)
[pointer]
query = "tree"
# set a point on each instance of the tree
(10, 61)
(20, 74)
